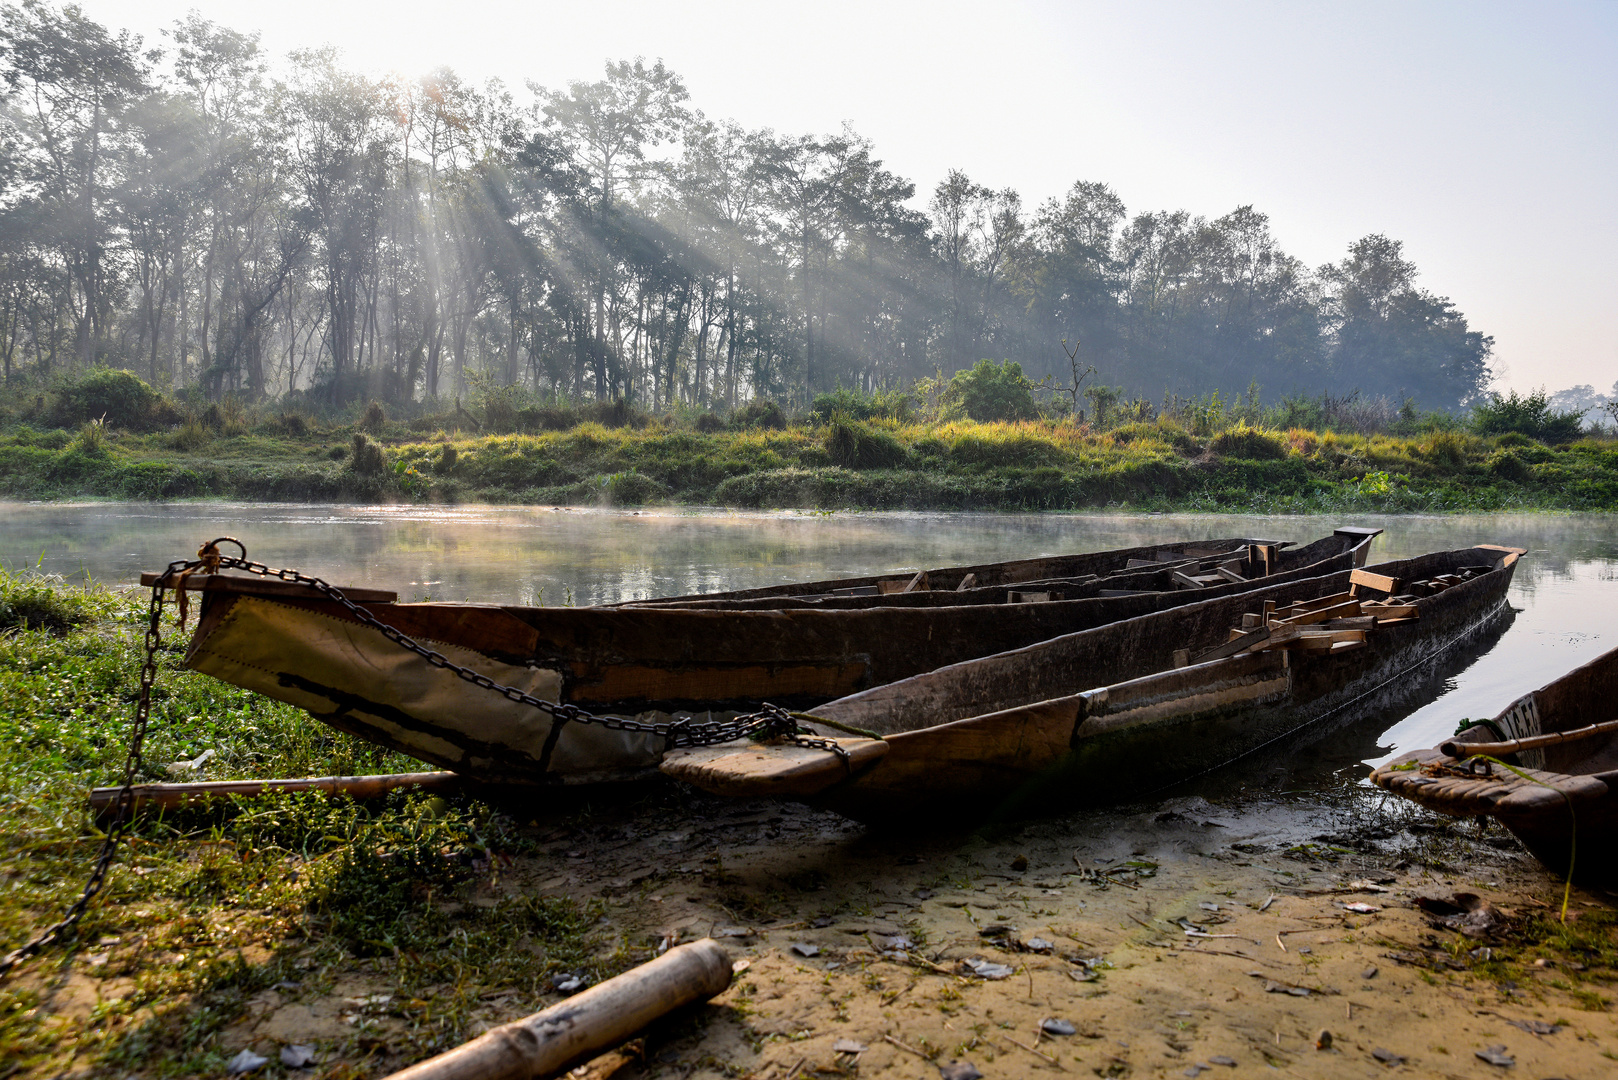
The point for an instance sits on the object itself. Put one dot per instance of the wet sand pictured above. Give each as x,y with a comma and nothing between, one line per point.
1174,939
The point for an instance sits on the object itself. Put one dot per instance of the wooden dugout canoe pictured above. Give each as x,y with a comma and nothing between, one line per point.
1104,714
1563,795
288,642
1166,567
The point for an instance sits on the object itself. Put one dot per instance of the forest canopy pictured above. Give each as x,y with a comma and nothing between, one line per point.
192,211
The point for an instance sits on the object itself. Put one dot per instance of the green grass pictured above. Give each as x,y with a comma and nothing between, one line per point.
841,463
208,907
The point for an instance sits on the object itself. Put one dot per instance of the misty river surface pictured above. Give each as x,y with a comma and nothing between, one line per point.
1565,594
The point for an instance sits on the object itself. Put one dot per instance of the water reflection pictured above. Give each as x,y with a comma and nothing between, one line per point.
1566,588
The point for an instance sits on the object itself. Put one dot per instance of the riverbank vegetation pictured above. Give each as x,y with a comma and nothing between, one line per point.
984,439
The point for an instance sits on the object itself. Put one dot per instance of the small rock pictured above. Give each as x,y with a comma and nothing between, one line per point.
1054,1026
1228,1062
822,922
987,969
1039,945
803,948
959,1070
1196,1068
1361,909
1205,906
1368,973
924,894
1388,1057
1535,1027
1483,954
848,1046
245,1062
1019,864
1273,987
567,983
297,1056
1496,1055
1323,1039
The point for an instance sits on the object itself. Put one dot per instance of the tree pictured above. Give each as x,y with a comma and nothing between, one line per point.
1387,333
76,82
990,391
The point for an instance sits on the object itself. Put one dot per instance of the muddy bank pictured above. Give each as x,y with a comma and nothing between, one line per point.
1171,939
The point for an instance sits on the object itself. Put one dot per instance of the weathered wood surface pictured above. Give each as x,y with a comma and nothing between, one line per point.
262,586
780,768
977,732
1457,749
587,1023
1501,792
104,800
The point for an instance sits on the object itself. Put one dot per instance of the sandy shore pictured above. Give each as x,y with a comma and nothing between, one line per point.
1171,940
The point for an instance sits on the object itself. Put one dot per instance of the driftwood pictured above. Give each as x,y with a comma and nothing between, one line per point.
1455,748
104,800
587,1023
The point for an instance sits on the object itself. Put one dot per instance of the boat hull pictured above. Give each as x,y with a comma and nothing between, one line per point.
645,663
1128,738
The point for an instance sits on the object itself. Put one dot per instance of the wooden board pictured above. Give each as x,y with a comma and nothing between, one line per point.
1380,582
780,769
262,586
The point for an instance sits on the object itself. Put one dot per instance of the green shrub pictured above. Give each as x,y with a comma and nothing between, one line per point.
293,424
993,392
91,439
1247,442
632,489
759,413
852,445
708,423
367,459
33,601
1512,440
1508,466
1445,448
884,405
1529,415
119,397
191,435
375,416
447,457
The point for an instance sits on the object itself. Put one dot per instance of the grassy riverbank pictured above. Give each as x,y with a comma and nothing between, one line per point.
380,934
835,464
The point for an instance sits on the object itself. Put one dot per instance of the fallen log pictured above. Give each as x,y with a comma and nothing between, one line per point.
587,1023
104,800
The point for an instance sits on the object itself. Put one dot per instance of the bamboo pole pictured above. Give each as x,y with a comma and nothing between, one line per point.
104,800
587,1023
1455,748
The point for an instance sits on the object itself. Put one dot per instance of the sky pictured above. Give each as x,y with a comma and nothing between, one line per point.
1483,135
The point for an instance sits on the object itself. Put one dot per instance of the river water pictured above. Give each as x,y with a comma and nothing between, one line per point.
1565,593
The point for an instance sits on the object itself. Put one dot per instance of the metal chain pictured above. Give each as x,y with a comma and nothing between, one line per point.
121,809
769,721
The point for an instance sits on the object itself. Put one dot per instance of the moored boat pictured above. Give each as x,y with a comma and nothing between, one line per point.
363,663
1121,710
1167,567
1546,767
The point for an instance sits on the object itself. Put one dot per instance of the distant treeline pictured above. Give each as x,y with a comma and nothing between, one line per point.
182,209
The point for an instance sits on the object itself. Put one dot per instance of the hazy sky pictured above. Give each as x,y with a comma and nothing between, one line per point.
1483,135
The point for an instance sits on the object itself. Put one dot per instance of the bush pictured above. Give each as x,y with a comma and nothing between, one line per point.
447,457
1508,466
852,445
191,435
375,416
632,489
993,392
34,601
367,459
708,423
293,424
91,439
1445,448
884,404
1246,442
616,413
759,413
119,397
1530,415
